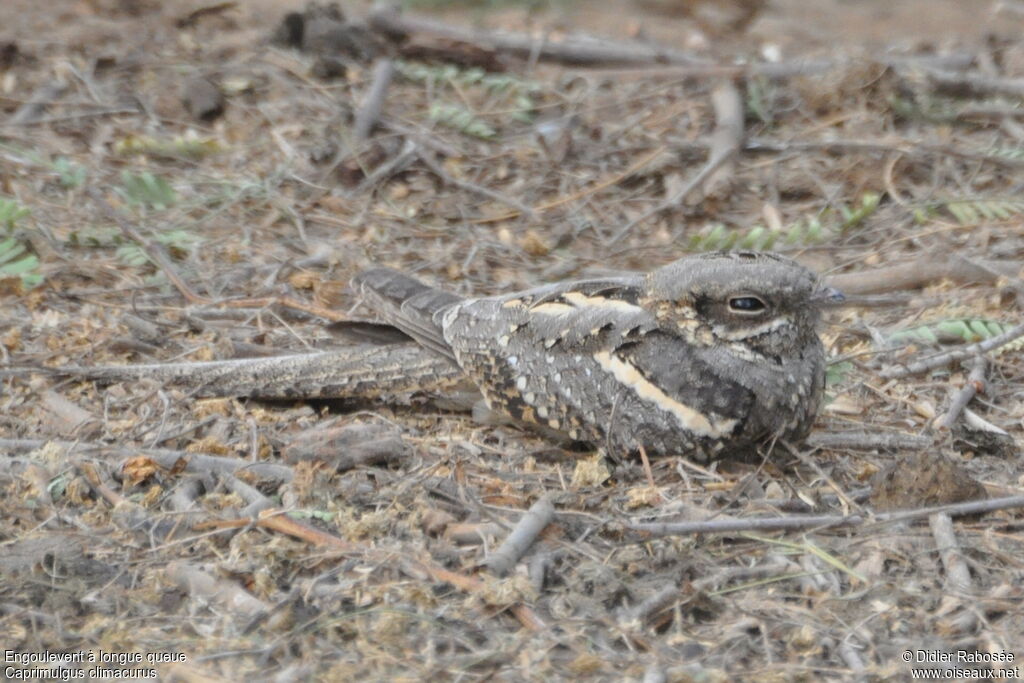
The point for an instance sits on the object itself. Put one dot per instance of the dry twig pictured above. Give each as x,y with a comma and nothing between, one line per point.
943,359
794,522
725,142
526,531
958,576
369,113
975,384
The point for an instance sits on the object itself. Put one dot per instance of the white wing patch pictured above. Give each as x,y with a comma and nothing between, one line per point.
553,308
575,301
690,419
580,300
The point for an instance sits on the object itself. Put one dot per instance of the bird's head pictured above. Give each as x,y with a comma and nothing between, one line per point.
768,303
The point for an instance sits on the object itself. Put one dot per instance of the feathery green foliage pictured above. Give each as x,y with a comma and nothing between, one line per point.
15,258
175,240
146,190
966,330
805,231
519,93
973,211
461,119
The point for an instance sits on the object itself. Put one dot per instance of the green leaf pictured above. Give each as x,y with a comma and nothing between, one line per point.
146,190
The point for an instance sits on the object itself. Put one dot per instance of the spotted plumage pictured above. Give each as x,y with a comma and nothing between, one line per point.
705,356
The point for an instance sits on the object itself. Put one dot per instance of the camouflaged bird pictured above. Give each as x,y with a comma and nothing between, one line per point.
709,355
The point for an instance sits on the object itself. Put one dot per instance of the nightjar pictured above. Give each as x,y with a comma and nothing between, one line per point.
710,355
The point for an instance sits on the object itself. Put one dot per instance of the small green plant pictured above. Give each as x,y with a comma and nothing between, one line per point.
519,94
11,212
146,190
462,120
1009,153
178,241
957,330
972,211
69,174
805,231
760,93
837,372
16,261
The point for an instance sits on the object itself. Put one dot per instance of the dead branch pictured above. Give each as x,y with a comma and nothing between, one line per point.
526,531
472,533
924,272
392,23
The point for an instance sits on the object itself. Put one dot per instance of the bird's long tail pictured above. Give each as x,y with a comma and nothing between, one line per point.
360,372
408,304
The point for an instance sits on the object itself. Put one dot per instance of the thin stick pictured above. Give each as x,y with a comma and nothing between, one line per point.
390,22
726,142
975,384
647,468
153,250
369,113
37,103
448,179
796,67
917,367
921,273
793,522
397,164
903,146
719,526
958,576
167,458
540,514
868,441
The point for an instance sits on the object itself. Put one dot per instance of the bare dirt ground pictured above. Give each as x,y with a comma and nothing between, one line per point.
188,182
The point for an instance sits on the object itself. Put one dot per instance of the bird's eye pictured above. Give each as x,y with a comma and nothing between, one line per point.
746,304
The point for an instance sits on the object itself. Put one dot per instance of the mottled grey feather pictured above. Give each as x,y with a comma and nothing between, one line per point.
408,304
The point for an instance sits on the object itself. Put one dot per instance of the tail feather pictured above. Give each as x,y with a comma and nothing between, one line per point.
408,304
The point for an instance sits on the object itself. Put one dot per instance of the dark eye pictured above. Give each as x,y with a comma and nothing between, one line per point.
746,304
